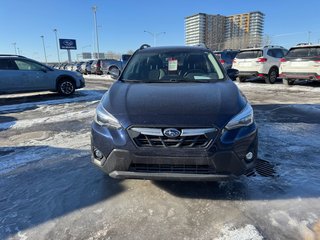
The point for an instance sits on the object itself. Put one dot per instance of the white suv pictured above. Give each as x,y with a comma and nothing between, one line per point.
301,62
260,63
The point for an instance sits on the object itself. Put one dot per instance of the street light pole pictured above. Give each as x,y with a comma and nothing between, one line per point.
94,9
309,36
15,47
154,35
44,49
55,32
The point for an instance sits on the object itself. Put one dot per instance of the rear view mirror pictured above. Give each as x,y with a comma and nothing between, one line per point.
232,73
114,73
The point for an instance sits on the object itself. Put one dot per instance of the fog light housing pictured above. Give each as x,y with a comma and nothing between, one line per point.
249,156
97,154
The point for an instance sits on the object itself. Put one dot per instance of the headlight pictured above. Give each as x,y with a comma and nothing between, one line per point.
243,119
103,118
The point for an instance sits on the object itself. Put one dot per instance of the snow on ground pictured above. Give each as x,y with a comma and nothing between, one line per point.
282,207
98,77
44,145
247,232
85,95
59,117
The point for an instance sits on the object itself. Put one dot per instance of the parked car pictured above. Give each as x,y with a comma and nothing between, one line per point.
108,65
174,114
226,57
69,67
77,66
21,74
262,63
62,66
96,67
83,68
87,67
301,62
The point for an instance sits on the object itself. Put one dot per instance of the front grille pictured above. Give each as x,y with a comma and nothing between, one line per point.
166,168
199,141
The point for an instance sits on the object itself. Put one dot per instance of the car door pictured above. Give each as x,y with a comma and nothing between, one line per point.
35,76
10,78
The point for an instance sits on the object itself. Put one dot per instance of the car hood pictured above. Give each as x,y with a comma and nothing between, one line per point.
174,104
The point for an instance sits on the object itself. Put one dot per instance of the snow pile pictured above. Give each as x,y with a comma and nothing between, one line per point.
248,232
88,95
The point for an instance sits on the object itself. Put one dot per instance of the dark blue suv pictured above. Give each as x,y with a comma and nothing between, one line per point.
226,57
174,114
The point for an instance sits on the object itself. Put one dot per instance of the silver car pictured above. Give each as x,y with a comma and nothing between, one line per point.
21,74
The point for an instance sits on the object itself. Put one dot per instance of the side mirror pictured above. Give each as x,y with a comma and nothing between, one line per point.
114,73
232,73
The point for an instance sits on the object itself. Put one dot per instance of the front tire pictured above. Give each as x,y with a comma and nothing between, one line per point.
66,87
272,76
287,82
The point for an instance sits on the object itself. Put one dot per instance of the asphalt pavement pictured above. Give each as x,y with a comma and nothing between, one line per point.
50,190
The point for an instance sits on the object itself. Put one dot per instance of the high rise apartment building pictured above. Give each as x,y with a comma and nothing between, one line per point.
219,32
244,30
195,29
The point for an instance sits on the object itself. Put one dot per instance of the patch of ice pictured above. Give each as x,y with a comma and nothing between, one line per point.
88,95
21,124
249,232
7,125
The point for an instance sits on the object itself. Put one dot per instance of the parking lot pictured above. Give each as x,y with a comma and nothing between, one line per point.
50,190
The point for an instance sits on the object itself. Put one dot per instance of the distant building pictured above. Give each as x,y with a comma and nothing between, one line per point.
214,34
219,32
244,30
195,29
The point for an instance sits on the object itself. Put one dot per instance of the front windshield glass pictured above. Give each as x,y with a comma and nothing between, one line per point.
173,66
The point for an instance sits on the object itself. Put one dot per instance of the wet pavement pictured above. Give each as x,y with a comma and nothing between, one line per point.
50,190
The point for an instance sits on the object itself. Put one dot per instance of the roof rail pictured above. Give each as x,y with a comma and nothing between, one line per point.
11,55
303,44
272,46
143,46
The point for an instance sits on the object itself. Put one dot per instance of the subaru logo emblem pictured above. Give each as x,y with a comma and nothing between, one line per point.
171,132
68,43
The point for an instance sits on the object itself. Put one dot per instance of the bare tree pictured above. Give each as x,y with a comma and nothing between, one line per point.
266,40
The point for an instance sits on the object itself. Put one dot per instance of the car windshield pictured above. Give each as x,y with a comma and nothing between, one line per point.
249,54
304,52
172,66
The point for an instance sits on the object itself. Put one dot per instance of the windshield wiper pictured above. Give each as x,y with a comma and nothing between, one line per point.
192,80
133,81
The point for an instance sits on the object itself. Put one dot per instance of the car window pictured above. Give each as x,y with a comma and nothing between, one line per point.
278,53
172,66
7,64
270,53
125,57
304,52
249,54
218,55
28,66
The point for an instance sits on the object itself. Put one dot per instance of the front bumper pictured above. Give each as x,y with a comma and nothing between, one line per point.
223,159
